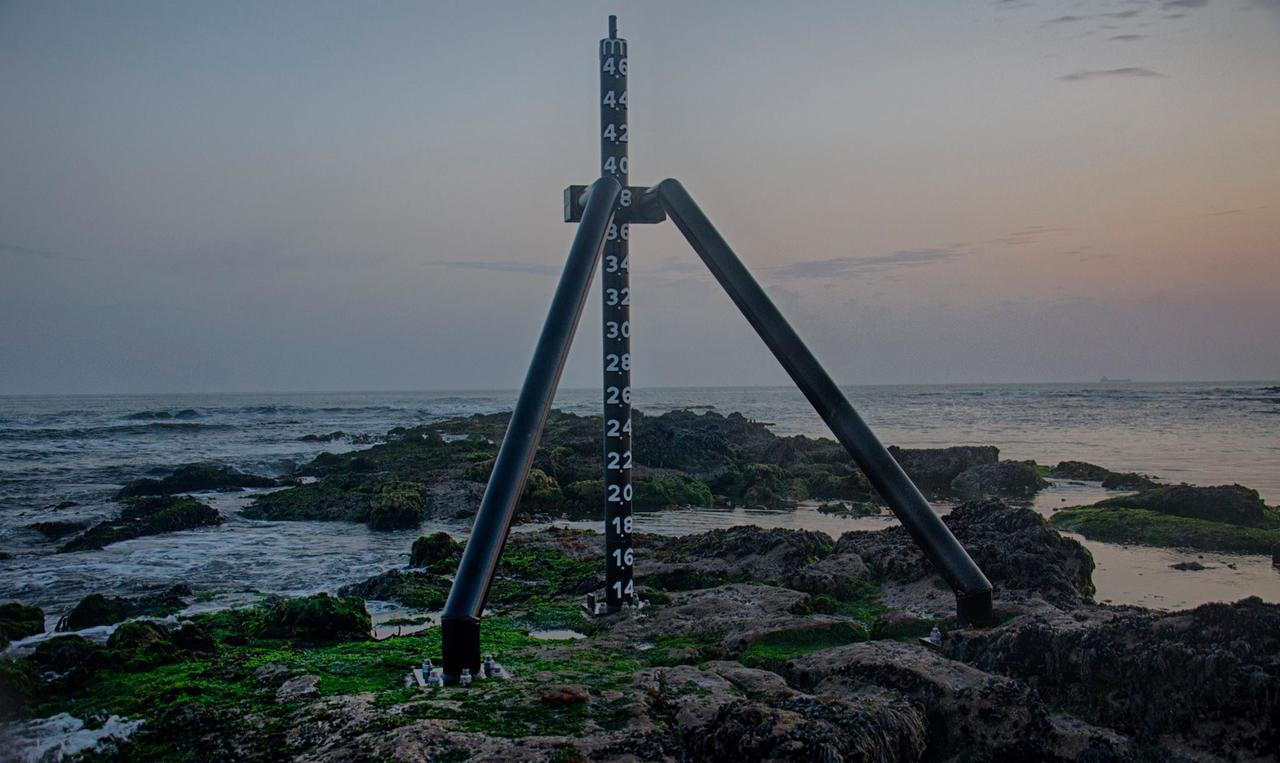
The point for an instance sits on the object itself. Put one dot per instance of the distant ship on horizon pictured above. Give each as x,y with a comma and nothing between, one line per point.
1105,380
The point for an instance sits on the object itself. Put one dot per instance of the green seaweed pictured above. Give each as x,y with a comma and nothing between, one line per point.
774,649
1150,528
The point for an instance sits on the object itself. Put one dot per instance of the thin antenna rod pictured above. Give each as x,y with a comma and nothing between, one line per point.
613,27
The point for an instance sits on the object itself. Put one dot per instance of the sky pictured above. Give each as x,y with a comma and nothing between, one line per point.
278,196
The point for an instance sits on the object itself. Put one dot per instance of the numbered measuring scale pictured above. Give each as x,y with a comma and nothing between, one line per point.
616,331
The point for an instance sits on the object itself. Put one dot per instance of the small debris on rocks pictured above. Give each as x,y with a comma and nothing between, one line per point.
564,694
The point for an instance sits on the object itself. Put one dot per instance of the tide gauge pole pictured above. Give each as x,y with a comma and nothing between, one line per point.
605,212
616,328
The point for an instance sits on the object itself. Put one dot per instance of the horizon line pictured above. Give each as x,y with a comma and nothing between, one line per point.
481,390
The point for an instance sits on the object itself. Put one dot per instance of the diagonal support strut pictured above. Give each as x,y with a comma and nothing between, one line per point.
972,589
460,622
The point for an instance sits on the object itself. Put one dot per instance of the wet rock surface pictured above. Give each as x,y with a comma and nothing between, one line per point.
934,469
147,515
195,478
1231,504
1020,554
683,459
1083,470
762,645
1229,518
97,609
1005,479
18,620
1119,667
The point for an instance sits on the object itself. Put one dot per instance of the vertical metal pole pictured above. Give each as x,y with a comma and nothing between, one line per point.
616,284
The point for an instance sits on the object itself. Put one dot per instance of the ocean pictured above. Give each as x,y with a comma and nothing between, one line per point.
82,448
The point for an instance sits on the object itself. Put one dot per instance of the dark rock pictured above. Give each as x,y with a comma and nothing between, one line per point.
1080,470
330,437
1188,566
852,509
841,576
1129,481
1232,504
19,621
1083,470
1120,667
420,590
147,515
65,654
934,469
96,609
141,644
1015,547
730,713
319,618
432,549
731,555
1004,479
727,619
56,665
397,506
65,505
194,478
683,459
53,530
968,714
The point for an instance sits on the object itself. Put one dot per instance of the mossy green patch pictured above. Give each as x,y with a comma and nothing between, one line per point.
773,650
1150,528
19,621
318,618
672,491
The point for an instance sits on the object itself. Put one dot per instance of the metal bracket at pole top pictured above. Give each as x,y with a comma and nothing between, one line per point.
644,207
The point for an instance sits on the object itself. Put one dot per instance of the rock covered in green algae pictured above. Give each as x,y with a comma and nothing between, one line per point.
147,515
1083,470
58,528
855,509
682,459
97,609
1151,528
1228,518
18,620
397,506
195,478
1231,504
317,619
419,589
141,644
433,549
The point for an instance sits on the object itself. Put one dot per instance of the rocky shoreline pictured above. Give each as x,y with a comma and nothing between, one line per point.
753,644
683,460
